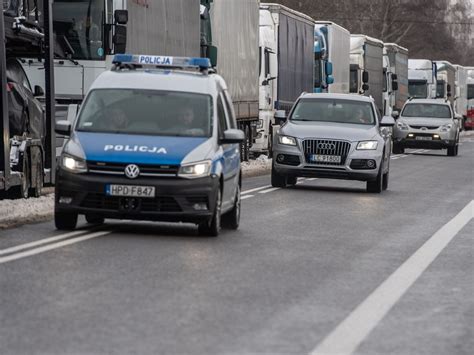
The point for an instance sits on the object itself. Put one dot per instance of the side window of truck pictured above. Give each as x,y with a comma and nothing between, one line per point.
221,115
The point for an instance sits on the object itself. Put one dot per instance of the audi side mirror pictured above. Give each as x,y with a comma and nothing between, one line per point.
387,121
63,128
280,117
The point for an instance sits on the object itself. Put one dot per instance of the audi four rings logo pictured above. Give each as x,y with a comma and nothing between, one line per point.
132,171
329,146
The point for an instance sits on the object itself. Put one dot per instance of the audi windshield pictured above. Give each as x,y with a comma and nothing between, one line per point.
334,110
147,112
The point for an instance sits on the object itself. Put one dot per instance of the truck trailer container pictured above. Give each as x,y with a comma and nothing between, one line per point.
460,99
469,123
445,81
366,68
286,68
422,78
331,55
235,34
396,73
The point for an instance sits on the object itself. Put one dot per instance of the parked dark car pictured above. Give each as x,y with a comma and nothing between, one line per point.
25,112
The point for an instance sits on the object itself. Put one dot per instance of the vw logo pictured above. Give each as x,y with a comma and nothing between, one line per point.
132,171
328,146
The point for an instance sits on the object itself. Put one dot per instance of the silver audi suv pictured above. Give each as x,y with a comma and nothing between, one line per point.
426,123
335,136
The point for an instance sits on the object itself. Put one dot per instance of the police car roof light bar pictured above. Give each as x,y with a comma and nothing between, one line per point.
155,61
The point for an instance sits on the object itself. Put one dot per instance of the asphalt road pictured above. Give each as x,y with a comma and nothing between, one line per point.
317,267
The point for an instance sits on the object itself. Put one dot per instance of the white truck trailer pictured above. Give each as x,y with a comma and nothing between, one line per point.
396,77
460,99
422,78
332,47
366,68
445,81
287,65
469,123
235,33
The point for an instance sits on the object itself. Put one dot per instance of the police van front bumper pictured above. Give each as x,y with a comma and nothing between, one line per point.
176,199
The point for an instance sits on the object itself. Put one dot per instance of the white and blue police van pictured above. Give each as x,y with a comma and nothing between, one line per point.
156,139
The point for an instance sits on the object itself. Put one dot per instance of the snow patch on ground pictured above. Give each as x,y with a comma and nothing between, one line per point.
260,166
18,212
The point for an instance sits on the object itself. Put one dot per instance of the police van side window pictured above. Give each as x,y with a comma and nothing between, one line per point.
222,116
230,110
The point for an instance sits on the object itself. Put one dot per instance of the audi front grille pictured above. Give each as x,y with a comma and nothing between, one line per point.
326,147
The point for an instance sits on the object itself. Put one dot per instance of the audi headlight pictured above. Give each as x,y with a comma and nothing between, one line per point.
286,140
367,145
403,126
73,164
195,170
446,127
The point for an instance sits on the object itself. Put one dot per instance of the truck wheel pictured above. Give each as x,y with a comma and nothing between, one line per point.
213,227
376,186
397,149
39,181
231,219
246,144
25,179
94,219
278,180
65,220
270,141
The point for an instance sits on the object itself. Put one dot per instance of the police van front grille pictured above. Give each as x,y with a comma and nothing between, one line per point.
119,169
113,203
326,147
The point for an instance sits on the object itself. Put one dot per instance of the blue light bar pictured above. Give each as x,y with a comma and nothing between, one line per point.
161,61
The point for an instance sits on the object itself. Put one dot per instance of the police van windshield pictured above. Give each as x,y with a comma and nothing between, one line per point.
147,112
427,110
334,110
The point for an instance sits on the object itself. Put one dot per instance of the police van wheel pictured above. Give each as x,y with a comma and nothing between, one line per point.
213,227
94,219
231,219
65,220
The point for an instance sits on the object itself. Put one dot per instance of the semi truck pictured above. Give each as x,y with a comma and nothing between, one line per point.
460,99
396,77
469,123
331,58
27,144
234,28
445,81
366,68
286,68
422,78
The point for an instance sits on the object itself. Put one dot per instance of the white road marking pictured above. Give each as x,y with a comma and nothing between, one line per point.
46,248
41,242
269,190
349,334
311,179
246,197
393,157
255,189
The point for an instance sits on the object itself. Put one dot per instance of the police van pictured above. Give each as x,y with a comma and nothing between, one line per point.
155,139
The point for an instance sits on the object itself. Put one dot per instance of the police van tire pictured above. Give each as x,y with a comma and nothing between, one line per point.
65,220
231,219
94,219
212,228
277,179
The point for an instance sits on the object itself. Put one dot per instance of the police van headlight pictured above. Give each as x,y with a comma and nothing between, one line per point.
367,145
195,170
73,164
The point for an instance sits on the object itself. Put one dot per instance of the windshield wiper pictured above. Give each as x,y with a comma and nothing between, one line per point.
303,119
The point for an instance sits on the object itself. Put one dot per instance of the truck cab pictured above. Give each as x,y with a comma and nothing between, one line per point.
155,140
422,78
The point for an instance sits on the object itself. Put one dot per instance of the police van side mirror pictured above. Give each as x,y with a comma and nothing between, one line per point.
232,136
63,128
